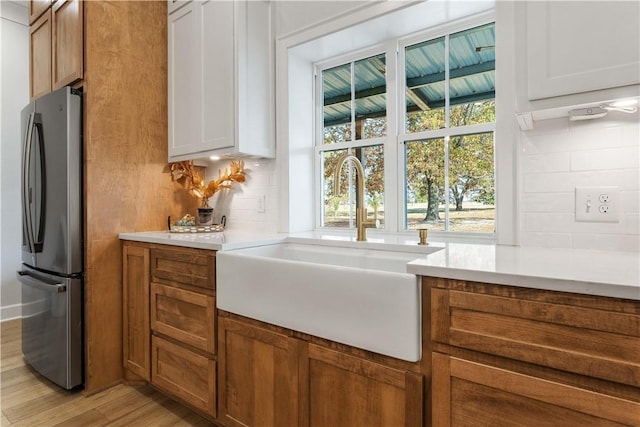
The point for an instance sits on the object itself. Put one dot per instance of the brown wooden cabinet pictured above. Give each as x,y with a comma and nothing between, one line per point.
67,42
337,389
258,375
272,376
56,46
37,8
136,333
40,56
509,354
170,321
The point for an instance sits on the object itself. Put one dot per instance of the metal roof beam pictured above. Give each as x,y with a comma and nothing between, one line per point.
456,73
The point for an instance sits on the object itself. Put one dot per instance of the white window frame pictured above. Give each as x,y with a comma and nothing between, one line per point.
394,142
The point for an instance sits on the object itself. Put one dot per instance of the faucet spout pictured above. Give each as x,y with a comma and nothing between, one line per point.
361,210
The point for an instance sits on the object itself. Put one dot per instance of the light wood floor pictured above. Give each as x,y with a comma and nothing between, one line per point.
28,399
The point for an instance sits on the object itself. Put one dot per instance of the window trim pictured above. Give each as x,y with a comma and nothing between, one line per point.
394,158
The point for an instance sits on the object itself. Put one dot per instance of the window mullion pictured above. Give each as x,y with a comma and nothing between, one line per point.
447,125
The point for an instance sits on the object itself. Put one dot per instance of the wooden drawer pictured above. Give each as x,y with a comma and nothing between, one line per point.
191,267
467,393
184,315
593,336
184,374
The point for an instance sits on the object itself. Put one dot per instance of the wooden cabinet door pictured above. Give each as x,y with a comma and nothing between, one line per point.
67,42
466,393
257,377
136,332
184,315
184,374
342,390
36,8
40,56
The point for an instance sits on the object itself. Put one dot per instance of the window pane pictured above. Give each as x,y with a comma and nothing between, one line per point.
472,183
339,208
472,76
371,97
425,183
424,98
336,91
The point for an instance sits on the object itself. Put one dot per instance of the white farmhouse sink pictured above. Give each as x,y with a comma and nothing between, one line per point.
359,297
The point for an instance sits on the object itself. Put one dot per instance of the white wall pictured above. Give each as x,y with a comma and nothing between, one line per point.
14,95
558,155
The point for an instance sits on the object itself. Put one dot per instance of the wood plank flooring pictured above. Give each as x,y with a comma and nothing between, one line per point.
28,399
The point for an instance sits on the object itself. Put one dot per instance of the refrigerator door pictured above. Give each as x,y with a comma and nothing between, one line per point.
51,183
52,326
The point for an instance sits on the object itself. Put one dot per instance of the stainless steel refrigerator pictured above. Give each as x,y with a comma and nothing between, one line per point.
52,237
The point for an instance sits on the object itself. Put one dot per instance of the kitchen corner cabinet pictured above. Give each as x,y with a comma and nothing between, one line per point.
271,376
220,88
567,52
56,47
504,354
169,321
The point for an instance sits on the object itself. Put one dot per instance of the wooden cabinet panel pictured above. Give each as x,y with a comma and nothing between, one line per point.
184,374
599,339
191,267
37,8
40,56
67,45
472,394
184,315
258,376
135,281
342,390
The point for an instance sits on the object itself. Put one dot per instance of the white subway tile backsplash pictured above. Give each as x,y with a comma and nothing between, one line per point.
607,242
546,240
548,162
548,202
606,159
555,159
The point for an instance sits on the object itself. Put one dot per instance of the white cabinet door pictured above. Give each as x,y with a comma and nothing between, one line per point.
184,80
218,100
581,46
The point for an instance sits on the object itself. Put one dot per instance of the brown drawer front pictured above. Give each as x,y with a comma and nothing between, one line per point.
184,374
184,315
188,267
588,341
468,393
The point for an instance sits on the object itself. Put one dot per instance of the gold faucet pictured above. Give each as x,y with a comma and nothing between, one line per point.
361,210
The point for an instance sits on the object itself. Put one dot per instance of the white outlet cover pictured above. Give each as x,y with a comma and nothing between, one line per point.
589,208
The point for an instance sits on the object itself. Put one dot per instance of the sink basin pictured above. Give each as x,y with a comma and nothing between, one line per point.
359,297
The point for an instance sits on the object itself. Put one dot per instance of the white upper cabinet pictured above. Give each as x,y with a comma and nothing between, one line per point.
585,48
220,80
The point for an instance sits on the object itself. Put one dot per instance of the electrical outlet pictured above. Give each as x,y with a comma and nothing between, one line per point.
598,204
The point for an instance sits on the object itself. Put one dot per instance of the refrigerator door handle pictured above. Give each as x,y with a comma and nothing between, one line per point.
27,280
27,222
39,241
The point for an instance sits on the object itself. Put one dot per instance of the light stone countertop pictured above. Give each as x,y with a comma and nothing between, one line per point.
602,273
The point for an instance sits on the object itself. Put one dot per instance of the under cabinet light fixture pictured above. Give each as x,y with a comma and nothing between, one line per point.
587,113
624,106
